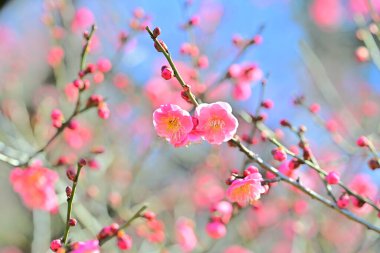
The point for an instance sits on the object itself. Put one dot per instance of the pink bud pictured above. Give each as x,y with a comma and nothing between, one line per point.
156,32
103,110
166,72
332,178
202,62
95,100
149,215
73,124
362,141
314,108
250,170
86,84
56,118
234,71
73,222
343,201
216,229
124,241
78,83
55,245
163,45
138,12
195,20
90,68
70,173
224,210
258,39
279,154
82,162
69,191
104,65
237,40
362,54
268,104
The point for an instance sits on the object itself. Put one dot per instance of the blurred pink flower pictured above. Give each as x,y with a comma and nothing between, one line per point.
364,186
79,137
153,231
223,210
247,190
91,246
217,124
363,7
216,229
83,19
241,91
173,123
326,13
236,249
207,190
55,56
71,92
35,184
185,235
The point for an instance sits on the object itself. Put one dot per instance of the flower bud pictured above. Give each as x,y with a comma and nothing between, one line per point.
156,32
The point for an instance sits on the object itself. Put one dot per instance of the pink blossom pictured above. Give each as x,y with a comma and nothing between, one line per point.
35,184
362,54
279,154
236,249
362,141
91,246
241,91
173,123
79,137
55,244
207,190
362,6
343,201
153,231
103,110
326,13
55,56
364,186
83,18
223,210
120,81
71,92
314,108
56,118
104,65
247,190
332,178
216,229
217,124
202,62
166,72
124,241
185,235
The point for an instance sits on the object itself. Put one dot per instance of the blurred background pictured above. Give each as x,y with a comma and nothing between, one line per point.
324,50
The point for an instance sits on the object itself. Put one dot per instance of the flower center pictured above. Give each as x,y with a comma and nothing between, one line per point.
173,124
216,124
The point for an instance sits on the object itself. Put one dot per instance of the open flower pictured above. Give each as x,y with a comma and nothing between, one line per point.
216,122
35,185
173,123
185,236
246,190
91,246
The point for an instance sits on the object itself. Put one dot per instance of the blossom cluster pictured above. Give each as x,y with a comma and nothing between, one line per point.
213,122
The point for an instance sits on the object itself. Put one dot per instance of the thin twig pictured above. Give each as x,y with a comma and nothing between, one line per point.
259,161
